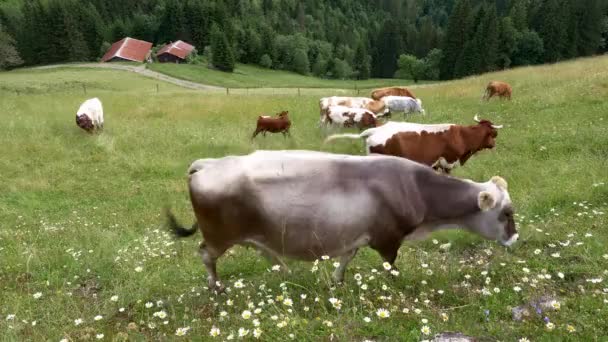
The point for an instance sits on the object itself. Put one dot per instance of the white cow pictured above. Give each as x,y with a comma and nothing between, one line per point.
402,104
90,115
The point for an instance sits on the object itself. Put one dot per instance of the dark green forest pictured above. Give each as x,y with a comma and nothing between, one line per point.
419,39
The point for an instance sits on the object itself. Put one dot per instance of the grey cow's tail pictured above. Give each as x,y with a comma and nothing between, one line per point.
177,229
363,134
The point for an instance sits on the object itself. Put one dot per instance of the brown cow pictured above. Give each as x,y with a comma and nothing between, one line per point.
280,124
442,150
378,94
502,89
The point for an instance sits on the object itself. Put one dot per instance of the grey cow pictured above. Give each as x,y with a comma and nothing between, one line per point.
305,204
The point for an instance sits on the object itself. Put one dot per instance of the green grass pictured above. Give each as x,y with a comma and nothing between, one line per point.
79,214
248,76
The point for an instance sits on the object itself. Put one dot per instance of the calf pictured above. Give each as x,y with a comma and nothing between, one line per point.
441,150
280,124
349,117
378,94
90,115
502,89
305,204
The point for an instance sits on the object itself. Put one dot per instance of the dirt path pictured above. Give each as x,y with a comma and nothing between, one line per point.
140,69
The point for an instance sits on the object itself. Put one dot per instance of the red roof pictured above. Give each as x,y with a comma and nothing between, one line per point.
179,48
129,49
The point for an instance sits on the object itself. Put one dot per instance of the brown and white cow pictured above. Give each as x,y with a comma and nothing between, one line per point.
441,146
377,107
351,117
502,89
280,124
441,150
305,204
378,94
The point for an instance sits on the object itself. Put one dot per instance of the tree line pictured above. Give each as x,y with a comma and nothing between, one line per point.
358,39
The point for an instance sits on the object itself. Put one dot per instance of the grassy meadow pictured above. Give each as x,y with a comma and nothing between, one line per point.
250,76
84,254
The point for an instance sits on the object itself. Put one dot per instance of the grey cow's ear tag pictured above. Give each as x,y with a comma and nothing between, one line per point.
486,201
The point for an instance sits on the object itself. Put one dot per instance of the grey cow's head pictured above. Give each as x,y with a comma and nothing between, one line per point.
495,221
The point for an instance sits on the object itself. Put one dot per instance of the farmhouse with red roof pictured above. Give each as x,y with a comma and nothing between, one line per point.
128,49
175,52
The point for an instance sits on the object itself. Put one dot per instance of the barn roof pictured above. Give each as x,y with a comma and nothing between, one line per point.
129,49
179,49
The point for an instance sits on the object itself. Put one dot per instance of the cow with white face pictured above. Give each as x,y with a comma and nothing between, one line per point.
305,204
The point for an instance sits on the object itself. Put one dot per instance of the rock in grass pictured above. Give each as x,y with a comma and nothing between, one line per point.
453,337
536,306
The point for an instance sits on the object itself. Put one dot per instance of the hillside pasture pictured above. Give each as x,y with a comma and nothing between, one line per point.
84,253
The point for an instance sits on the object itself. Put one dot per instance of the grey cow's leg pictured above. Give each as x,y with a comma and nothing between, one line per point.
210,256
338,274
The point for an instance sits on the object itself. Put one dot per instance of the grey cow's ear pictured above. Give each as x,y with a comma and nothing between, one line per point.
485,201
500,182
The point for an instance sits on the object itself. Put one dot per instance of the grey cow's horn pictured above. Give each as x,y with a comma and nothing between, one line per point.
476,118
496,126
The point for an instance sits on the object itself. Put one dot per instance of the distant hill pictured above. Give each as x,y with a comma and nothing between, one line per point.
330,38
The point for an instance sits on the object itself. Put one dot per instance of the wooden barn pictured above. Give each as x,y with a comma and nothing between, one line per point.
128,49
175,52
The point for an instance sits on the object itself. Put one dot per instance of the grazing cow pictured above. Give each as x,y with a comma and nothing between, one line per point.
280,124
352,102
305,204
90,115
379,135
441,150
501,89
378,94
349,117
402,104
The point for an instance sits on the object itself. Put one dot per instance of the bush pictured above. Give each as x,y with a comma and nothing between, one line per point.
266,61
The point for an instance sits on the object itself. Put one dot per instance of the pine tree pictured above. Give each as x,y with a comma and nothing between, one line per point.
489,40
456,37
221,51
591,26
552,29
470,59
388,47
519,14
9,57
506,43
362,62
172,25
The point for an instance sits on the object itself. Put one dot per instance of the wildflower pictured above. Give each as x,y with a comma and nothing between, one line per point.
329,324
230,337
497,290
239,284
78,321
214,332
358,277
160,314
182,331
274,317
243,332
149,305
276,268
99,336
424,321
257,332
570,328
229,302
121,310
223,314
560,275
336,303
287,302
516,288
555,255
383,313
37,295
314,269
256,322
10,317
303,296
336,264
537,251
246,314
417,311
386,266
367,319
363,287
526,270
325,257
114,298
550,326
523,339
395,272
425,330
139,269
444,317
435,241
556,305
281,324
